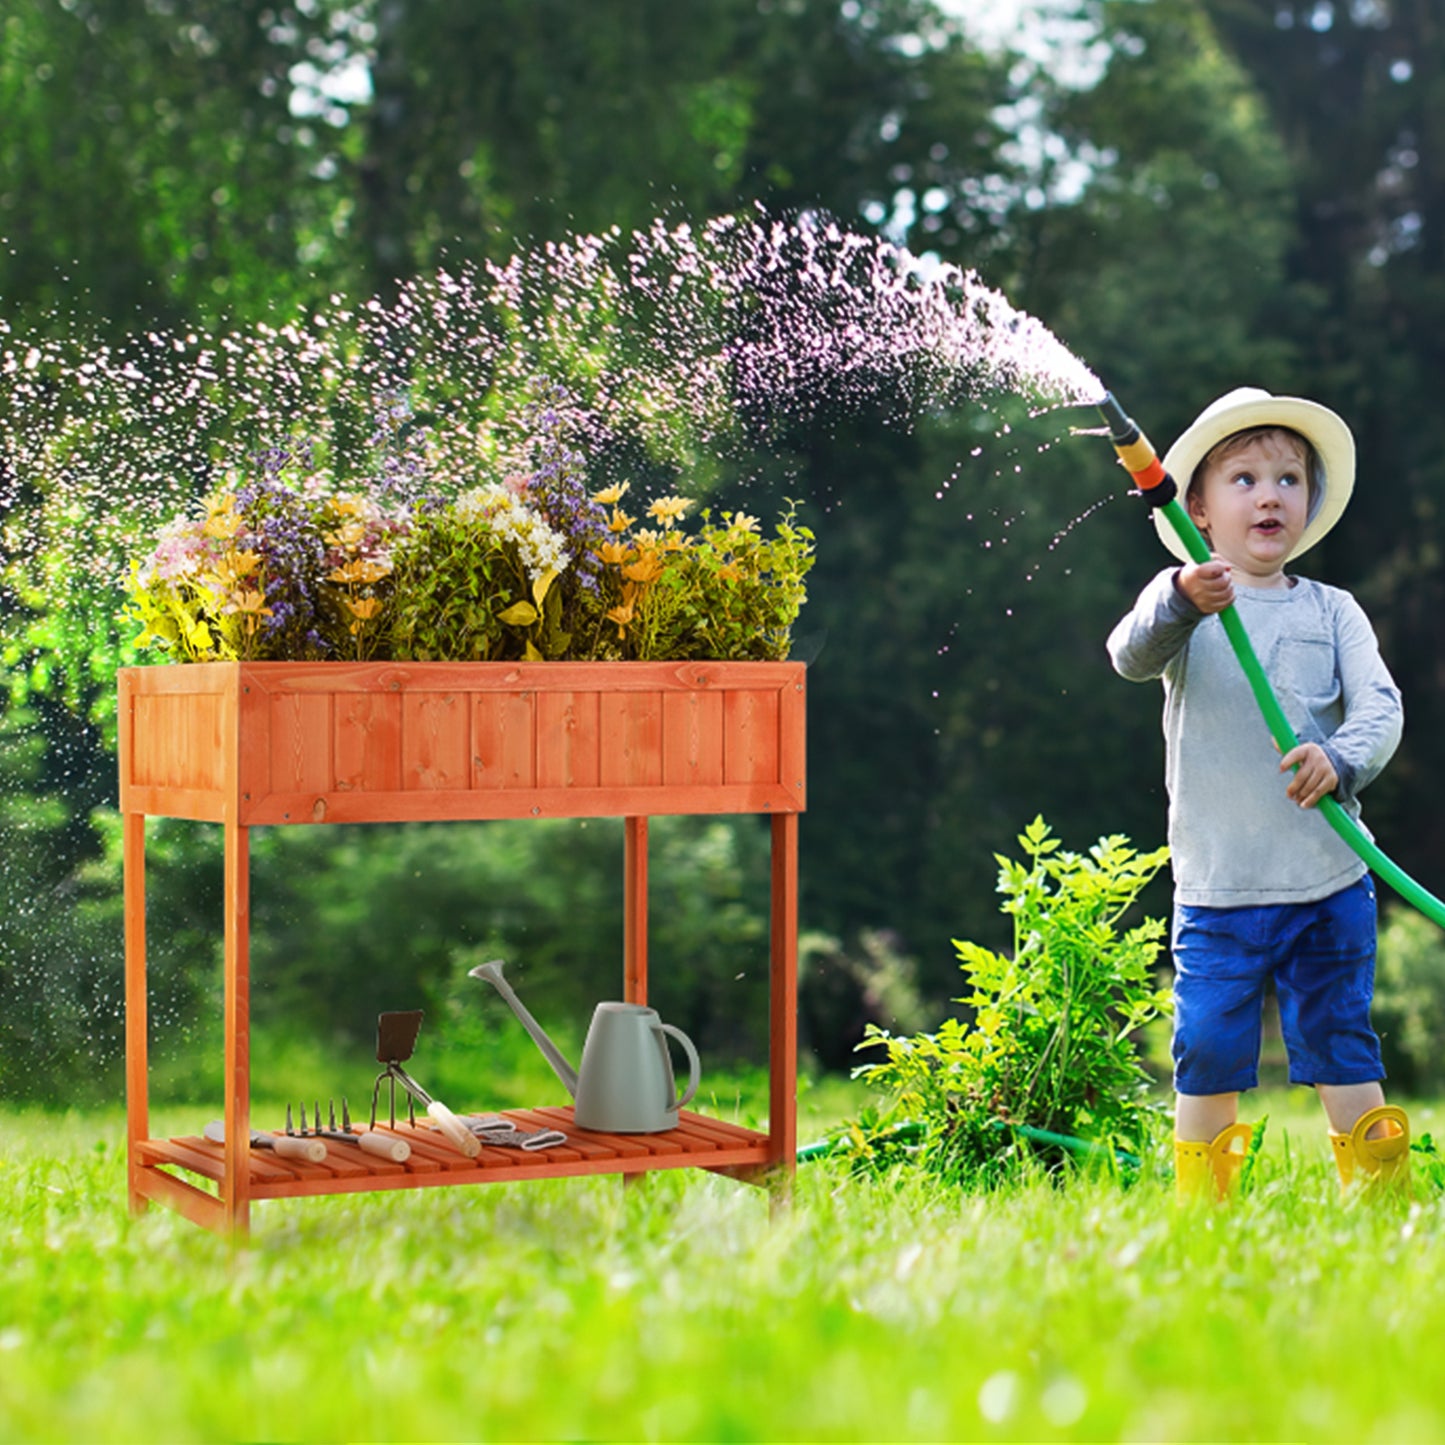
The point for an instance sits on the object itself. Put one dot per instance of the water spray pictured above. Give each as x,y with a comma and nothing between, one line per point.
1158,488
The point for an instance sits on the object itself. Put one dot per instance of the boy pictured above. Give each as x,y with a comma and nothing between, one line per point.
1264,890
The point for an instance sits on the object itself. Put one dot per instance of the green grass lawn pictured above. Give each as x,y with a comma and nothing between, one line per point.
678,1309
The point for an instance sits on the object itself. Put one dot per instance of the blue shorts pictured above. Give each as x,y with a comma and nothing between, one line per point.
1321,959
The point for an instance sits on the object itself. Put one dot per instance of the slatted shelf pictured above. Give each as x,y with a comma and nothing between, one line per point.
697,1142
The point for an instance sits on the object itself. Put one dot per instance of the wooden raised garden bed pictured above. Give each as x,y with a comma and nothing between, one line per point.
248,744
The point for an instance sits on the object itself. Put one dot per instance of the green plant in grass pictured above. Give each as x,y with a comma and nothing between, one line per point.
1050,1041
1409,1010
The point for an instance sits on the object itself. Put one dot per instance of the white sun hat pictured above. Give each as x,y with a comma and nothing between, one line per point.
1249,406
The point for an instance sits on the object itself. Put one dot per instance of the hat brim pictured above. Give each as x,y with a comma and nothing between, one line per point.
1327,433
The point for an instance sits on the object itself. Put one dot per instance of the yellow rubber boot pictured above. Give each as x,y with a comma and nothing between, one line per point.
1210,1171
1375,1166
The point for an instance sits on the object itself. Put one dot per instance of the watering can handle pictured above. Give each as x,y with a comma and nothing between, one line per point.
694,1067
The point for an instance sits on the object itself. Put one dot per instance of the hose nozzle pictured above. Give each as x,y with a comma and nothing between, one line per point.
1140,459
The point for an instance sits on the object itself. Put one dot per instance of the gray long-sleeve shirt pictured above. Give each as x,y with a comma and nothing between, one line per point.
1235,837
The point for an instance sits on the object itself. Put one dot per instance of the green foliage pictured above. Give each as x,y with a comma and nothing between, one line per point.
459,588
1049,1042
275,574
728,593
153,171
1409,1007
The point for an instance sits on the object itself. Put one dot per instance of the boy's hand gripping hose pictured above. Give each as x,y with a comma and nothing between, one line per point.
1157,488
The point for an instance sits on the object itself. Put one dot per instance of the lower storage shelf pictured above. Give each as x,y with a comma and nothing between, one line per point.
697,1142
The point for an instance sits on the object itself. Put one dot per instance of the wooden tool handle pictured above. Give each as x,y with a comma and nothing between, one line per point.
385,1146
313,1151
454,1129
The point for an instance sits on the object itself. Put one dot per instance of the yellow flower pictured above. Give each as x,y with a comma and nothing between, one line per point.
619,521
647,537
251,605
363,609
668,509
621,616
222,520
612,554
610,496
741,522
231,567
350,534
647,568
362,569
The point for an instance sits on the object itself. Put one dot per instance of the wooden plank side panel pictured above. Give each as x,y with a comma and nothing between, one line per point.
302,738
504,740
631,739
569,731
200,757
750,736
436,740
368,742
177,742
692,738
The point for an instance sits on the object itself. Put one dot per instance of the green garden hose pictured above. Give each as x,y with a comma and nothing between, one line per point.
1159,490
911,1131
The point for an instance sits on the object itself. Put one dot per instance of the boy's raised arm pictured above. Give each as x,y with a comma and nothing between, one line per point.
1153,631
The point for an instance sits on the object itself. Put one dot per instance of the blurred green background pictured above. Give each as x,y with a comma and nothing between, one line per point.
1194,194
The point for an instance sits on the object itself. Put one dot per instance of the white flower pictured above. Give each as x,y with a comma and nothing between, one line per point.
541,548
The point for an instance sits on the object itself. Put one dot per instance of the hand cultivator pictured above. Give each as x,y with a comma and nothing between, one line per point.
383,1146
395,1039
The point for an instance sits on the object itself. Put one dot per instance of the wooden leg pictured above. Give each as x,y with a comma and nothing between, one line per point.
783,1001
137,1087
634,911
236,1185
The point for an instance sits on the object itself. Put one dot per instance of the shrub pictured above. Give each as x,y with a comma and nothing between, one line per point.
1409,1012
1050,1045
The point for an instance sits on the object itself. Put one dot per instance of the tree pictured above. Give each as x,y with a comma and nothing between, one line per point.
152,171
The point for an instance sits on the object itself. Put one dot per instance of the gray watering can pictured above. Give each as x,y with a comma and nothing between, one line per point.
625,1084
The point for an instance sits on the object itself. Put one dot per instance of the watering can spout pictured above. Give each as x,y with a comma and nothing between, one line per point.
492,974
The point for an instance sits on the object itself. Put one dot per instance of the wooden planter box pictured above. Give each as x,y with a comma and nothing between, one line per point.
248,744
